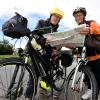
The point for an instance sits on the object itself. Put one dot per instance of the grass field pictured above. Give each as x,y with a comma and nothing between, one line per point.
6,56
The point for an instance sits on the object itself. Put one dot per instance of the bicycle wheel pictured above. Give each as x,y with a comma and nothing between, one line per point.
59,77
76,93
10,75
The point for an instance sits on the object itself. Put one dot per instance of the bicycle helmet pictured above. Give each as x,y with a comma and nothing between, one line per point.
58,12
80,9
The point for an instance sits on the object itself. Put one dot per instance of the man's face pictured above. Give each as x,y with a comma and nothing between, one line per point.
79,17
54,19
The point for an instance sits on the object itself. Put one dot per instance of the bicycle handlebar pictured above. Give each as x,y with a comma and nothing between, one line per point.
42,29
39,31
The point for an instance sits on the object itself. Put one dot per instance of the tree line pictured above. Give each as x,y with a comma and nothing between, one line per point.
5,47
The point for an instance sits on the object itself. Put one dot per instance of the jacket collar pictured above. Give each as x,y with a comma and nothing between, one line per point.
54,27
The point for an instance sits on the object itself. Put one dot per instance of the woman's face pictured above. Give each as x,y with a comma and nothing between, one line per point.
54,19
79,17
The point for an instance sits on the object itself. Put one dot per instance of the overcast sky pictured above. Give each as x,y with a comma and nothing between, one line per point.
40,9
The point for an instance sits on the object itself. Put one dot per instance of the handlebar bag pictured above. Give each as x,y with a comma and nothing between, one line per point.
15,27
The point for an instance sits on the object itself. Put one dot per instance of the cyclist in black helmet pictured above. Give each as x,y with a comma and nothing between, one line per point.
92,53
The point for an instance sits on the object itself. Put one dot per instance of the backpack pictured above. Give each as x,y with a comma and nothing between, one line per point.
92,41
15,27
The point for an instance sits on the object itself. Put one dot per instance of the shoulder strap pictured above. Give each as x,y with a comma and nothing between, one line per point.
88,22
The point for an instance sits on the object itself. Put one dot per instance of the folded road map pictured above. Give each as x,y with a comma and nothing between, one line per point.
65,37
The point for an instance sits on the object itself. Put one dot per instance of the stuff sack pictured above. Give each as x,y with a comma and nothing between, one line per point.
15,27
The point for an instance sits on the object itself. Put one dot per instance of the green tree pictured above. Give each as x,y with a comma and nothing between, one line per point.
6,47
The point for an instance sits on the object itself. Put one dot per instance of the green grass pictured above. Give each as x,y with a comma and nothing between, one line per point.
6,56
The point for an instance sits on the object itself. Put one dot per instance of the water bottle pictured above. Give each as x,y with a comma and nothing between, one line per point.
37,46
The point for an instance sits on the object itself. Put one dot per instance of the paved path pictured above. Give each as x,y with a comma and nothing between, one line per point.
61,94
39,95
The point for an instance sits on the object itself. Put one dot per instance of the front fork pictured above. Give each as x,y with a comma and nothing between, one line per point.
73,86
19,88
20,82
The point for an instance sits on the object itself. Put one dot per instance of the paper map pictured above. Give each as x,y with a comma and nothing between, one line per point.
65,37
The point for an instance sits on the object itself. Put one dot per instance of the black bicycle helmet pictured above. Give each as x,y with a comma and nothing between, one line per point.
80,9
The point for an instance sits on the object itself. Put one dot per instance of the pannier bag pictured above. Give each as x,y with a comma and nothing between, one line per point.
15,27
66,58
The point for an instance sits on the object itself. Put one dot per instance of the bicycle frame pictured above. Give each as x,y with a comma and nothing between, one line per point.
81,62
37,61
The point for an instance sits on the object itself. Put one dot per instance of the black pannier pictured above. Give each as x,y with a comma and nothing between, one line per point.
15,27
65,57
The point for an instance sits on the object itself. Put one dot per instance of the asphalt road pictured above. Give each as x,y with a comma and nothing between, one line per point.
61,95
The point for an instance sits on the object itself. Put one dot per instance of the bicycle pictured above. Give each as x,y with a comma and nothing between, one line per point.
80,79
22,71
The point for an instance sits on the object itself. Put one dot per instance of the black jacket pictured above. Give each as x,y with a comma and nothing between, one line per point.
39,34
41,39
46,23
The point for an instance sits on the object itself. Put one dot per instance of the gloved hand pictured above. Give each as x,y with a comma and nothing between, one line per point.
41,40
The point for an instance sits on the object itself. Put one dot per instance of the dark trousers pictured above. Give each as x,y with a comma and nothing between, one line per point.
95,68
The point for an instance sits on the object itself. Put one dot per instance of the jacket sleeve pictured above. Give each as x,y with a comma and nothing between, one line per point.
38,35
94,28
39,24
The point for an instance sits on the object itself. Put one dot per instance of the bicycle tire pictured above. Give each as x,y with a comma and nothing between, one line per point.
90,75
10,62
